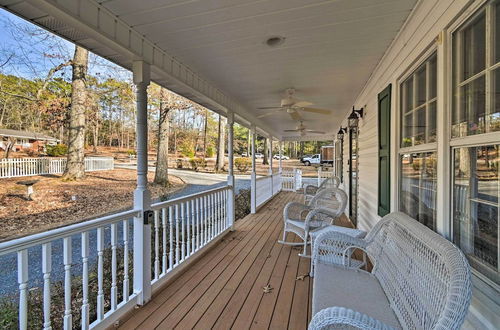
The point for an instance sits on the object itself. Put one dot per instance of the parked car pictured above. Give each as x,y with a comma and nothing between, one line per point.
283,157
259,155
244,154
314,159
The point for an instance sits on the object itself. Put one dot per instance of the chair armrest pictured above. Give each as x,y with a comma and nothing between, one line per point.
295,211
330,247
343,317
310,190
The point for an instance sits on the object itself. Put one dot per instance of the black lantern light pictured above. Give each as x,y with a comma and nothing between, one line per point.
340,134
354,117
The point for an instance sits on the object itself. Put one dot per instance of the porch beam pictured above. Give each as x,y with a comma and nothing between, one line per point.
230,174
142,196
253,176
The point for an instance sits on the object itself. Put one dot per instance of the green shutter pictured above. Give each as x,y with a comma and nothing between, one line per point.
384,151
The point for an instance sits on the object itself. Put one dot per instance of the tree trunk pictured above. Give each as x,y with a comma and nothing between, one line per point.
161,173
219,163
205,134
75,166
265,159
11,141
249,143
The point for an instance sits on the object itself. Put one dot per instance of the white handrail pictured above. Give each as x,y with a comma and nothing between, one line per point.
51,235
159,205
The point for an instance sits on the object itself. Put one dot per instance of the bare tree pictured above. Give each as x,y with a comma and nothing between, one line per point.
219,163
265,159
75,166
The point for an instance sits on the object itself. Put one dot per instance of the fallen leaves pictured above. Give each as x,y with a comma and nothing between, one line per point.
301,277
268,288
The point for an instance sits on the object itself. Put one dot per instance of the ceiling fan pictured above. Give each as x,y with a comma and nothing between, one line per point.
292,106
303,130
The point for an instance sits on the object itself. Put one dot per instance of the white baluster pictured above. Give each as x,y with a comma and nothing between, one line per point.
22,280
157,245
193,226
212,216
189,211
183,229
204,220
164,243
67,260
100,273
171,236
198,213
114,243
177,251
46,270
85,280
126,280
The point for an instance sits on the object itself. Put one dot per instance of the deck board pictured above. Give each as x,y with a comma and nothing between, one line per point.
224,288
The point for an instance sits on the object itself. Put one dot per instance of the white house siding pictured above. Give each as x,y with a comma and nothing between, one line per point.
420,32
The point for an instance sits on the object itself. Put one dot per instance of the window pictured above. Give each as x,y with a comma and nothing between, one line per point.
475,154
418,187
476,74
418,105
417,168
475,206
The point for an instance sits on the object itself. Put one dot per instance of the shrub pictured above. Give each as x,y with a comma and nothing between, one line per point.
210,152
57,150
131,152
243,164
197,163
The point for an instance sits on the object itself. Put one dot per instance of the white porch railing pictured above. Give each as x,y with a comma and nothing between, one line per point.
267,187
185,225
102,273
291,179
322,175
18,167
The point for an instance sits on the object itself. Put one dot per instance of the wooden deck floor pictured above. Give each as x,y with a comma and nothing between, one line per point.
224,289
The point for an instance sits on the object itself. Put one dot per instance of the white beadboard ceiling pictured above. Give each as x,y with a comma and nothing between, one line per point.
330,50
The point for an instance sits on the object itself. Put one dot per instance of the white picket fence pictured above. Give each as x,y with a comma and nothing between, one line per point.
180,228
18,167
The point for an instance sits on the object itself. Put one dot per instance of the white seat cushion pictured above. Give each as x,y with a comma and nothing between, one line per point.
357,290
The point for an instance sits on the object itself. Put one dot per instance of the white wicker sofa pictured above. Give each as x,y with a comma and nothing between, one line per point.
419,279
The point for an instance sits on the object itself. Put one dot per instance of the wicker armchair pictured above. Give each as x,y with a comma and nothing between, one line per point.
311,190
419,279
300,219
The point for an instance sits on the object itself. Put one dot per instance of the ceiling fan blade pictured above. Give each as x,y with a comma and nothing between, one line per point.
267,108
269,113
295,115
292,130
313,131
316,110
302,104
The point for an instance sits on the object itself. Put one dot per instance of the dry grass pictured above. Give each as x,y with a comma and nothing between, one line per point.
57,203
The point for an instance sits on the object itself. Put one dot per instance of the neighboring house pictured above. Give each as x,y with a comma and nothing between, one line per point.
24,140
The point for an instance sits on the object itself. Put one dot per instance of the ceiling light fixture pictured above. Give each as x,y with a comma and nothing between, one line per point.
275,41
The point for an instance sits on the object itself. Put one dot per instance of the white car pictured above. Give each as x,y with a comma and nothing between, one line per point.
259,155
314,159
283,157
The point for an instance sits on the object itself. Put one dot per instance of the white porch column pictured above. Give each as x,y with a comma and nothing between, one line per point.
253,177
230,173
270,155
280,146
142,196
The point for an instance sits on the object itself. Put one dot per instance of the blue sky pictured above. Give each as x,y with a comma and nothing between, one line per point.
34,51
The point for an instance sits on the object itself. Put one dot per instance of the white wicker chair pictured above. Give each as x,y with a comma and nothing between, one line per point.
311,190
300,219
419,280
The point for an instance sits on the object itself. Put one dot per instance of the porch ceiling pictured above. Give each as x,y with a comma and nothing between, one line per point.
330,50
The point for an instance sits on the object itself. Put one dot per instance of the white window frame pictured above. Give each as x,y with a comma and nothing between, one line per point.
487,286
424,57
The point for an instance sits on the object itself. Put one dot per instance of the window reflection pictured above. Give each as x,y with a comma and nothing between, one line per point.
418,187
475,213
